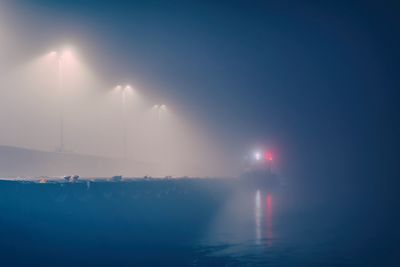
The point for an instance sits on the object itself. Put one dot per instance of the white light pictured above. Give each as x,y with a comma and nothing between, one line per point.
118,88
128,90
66,53
63,54
257,156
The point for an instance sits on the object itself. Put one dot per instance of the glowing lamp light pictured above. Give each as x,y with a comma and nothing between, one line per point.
63,55
268,156
257,156
67,52
160,107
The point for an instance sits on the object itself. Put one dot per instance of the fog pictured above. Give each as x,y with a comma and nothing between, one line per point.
42,85
200,88
234,77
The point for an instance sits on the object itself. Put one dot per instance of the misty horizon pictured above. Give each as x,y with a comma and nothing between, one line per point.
199,133
93,114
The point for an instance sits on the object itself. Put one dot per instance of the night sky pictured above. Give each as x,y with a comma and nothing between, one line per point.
315,80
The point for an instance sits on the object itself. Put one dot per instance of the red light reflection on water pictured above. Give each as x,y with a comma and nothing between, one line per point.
268,219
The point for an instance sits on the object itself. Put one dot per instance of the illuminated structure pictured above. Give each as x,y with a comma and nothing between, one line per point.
259,170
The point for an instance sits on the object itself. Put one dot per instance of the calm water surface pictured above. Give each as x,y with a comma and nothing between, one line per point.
192,223
287,228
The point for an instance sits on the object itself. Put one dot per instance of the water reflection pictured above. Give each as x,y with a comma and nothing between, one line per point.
245,224
268,219
259,216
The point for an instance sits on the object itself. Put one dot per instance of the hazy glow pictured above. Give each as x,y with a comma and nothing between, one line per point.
268,156
160,141
67,54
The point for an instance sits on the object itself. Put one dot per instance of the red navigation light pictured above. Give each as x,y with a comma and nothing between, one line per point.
268,156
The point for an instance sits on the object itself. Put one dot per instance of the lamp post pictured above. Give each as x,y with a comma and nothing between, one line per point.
60,56
60,90
124,91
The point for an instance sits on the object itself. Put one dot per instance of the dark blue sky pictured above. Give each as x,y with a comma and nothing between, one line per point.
316,79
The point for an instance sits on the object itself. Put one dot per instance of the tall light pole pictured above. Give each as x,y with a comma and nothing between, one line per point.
60,91
60,86
124,90
159,142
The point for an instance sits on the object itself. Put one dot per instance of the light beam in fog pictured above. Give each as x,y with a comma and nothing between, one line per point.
62,57
124,91
61,102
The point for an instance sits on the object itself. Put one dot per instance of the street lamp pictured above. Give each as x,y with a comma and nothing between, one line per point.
159,109
60,57
124,90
